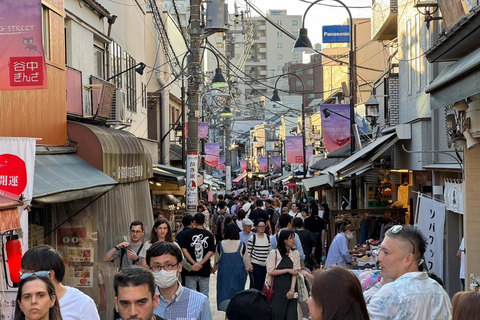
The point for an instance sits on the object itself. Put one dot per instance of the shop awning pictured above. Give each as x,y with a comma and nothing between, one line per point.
167,176
65,177
458,81
332,158
272,176
318,181
240,177
443,167
281,178
172,170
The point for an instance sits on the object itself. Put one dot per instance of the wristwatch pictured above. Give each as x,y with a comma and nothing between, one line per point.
116,248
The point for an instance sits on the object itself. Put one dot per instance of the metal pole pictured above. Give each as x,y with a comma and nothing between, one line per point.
192,105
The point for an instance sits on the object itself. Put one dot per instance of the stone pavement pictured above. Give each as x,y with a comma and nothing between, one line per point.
217,315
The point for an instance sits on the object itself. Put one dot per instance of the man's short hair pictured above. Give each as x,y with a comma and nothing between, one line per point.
284,220
409,234
136,223
269,201
187,220
222,205
297,223
259,203
245,198
160,248
199,218
134,276
44,258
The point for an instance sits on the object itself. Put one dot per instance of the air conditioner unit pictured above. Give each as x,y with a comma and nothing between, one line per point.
118,113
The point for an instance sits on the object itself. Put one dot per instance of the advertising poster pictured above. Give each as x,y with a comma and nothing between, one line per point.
294,149
221,163
212,152
79,270
335,128
203,130
277,162
243,165
192,188
263,164
22,61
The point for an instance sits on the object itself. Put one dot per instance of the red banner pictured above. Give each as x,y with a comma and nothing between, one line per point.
294,149
22,61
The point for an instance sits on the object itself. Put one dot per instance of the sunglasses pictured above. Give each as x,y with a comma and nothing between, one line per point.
396,229
24,276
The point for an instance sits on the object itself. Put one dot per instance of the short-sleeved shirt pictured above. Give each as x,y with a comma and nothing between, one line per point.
126,261
315,224
76,305
258,214
198,242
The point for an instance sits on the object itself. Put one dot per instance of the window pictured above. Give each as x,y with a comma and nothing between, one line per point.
310,71
219,45
298,72
149,7
279,45
130,83
279,22
279,56
295,56
279,33
311,95
309,83
298,83
116,57
294,22
98,61
295,33
46,32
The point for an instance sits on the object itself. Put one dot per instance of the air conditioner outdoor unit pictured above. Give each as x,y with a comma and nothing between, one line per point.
118,113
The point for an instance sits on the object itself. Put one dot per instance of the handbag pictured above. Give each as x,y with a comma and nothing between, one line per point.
268,288
302,288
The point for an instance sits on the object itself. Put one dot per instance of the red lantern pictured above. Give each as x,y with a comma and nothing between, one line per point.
14,257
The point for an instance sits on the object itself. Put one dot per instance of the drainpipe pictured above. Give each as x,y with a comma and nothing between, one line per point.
111,21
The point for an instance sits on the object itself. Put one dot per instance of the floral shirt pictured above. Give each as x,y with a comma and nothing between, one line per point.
413,296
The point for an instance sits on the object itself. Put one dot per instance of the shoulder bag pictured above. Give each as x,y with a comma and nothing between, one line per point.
268,288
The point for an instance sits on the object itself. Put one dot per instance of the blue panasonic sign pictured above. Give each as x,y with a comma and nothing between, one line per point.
336,34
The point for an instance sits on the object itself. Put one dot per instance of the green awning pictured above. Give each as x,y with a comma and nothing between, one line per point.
65,177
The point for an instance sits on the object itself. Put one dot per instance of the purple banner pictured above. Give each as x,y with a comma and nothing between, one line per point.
309,153
335,129
243,165
263,162
221,163
203,130
277,162
22,61
212,151
294,149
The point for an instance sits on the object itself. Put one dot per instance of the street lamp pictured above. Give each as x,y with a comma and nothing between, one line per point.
303,43
276,98
139,67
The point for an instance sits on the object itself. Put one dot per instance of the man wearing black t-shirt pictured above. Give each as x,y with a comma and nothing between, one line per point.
259,213
198,246
318,227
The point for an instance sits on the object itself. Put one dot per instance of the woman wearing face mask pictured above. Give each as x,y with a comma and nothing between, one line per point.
164,259
338,254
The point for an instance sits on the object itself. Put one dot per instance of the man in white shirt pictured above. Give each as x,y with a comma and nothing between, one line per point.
74,304
294,212
411,294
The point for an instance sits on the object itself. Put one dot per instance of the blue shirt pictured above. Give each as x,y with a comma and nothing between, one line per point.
298,244
338,254
244,237
186,304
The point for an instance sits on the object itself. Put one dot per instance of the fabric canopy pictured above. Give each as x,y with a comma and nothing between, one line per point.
240,177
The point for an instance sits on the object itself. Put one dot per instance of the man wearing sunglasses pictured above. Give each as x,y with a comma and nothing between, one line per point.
176,302
411,294
74,304
128,251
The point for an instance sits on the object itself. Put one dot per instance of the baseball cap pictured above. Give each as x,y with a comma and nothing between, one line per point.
247,222
248,305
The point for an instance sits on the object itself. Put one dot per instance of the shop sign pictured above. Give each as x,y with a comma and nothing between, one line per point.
192,187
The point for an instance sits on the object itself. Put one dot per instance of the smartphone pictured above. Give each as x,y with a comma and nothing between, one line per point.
295,295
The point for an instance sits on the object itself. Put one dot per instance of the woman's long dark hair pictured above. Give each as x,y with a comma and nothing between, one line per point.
344,298
53,313
154,236
284,235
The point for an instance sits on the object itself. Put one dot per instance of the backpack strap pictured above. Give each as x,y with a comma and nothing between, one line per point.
253,242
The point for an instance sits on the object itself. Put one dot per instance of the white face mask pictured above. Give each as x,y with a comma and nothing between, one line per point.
350,236
165,279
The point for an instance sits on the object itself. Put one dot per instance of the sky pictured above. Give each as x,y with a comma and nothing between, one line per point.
317,16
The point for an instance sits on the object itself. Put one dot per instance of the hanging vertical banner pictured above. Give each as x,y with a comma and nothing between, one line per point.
263,162
309,154
335,129
22,61
453,195
277,162
221,163
203,130
431,221
243,165
212,151
191,193
294,149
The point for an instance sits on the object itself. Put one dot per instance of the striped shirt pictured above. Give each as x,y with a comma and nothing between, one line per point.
259,252
186,304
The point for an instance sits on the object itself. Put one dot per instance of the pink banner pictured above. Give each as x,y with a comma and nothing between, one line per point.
263,162
243,165
335,129
294,149
203,130
277,162
212,151
221,163
22,61
309,153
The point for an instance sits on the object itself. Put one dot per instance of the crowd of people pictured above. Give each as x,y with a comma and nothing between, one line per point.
256,238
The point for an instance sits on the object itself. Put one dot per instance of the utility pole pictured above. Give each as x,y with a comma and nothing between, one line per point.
192,107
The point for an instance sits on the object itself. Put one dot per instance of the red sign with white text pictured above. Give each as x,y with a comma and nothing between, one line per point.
26,71
13,174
